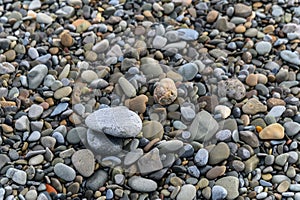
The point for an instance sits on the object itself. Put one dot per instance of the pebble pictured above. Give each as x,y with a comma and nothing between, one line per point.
36,75
263,47
127,87
97,180
35,111
138,103
116,121
291,128
232,88
187,192
290,57
242,10
150,162
219,153
101,46
254,106
64,172
83,161
218,192
203,127
272,132
141,184
43,18
165,91
18,176
188,71
201,157
231,185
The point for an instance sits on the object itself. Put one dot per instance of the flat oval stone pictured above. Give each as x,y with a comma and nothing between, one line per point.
64,172
141,184
116,121
272,132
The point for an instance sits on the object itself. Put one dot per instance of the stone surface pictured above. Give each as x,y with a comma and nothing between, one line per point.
187,192
231,184
141,184
64,172
116,121
272,132
83,161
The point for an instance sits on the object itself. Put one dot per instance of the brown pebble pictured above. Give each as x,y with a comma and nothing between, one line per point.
212,16
240,29
6,128
269,29
53,50
215,172
10,55
275,102
66,39
137,104
251,80
7,103
151,144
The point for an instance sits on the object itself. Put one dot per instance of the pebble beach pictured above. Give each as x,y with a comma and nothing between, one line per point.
149,100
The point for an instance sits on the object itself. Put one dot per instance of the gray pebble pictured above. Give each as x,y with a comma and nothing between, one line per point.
64,172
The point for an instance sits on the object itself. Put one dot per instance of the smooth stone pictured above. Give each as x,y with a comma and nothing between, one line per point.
188,34
242,10
263,48
223,110
36,160
3,160
83,161
34,136
73,134
215,172
218,192
223,135
283,186
43,18
100,143
219,153
101,46
36,75
150,162
18,176
251,164
97,180
187,113
127,87
187,192
170,146
62,92
64,172
31,195
276,111
272,132
231,185
22,124
35,111
141,184
280,178
291,128
201,157
89,76
133,156
281,159
254,106
116,121
60,108
249,138
203,127
188,71
159,42
291,57
152,130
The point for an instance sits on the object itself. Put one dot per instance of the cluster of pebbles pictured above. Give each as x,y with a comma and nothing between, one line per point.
172,99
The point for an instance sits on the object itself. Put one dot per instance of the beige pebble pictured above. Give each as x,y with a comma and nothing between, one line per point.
272,132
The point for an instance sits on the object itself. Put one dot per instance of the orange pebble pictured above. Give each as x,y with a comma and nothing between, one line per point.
258,129
50,189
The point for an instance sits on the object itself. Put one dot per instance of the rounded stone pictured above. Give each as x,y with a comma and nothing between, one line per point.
272,132
165,91
64,172
116,121
141,184
83,161
187,192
